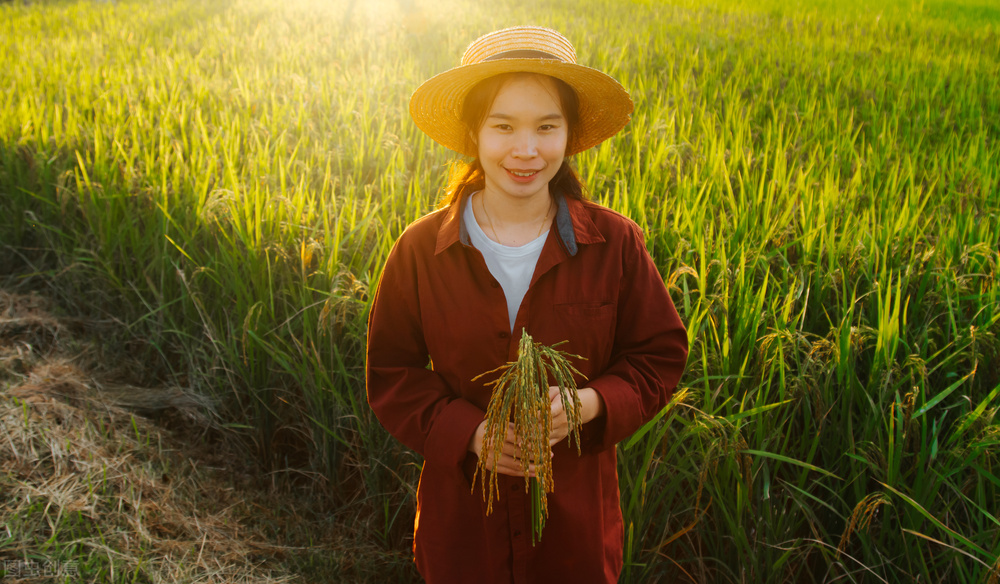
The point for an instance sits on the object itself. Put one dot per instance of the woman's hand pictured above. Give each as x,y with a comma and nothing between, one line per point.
591,405
508,458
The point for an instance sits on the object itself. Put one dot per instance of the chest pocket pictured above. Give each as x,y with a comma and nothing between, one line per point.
590,329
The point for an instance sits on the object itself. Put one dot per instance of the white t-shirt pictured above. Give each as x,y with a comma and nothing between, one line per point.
511,266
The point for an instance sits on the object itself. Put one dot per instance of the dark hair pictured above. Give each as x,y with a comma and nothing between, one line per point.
466,178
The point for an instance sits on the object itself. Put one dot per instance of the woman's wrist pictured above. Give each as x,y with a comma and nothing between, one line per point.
591,403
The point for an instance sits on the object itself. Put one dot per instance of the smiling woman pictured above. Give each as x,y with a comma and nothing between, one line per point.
459,283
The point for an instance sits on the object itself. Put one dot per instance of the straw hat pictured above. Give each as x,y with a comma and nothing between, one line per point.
436,106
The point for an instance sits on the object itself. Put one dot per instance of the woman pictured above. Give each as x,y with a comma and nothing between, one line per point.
516,247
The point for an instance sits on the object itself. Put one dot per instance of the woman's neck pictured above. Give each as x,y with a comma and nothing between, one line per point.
512,221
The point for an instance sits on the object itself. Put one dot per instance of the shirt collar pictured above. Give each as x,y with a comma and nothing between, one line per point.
573,223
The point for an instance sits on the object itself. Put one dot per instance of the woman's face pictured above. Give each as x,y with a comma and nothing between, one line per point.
522,142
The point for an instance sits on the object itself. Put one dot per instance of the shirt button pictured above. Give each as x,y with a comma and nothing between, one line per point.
517,533
513,487
495,284
503,334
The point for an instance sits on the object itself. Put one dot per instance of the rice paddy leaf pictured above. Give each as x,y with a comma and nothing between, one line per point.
783,458
964,540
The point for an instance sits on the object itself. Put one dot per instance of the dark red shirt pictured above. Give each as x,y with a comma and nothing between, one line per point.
439,319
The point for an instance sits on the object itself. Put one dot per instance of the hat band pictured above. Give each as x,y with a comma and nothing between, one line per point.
523,54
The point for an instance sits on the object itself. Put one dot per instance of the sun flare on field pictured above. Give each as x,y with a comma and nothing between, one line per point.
410,14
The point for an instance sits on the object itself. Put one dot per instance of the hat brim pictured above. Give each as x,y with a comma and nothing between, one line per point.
436,106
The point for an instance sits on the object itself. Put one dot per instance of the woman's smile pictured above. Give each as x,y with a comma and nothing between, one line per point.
522,176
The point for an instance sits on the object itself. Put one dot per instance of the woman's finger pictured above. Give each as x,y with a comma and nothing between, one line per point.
512,466
560,422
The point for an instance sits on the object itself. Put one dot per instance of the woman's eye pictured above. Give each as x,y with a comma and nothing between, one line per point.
546,127
503,127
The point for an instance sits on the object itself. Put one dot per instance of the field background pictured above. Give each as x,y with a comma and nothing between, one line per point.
216,185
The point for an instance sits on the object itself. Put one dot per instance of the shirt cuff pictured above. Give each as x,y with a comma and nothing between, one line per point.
622,410
448,440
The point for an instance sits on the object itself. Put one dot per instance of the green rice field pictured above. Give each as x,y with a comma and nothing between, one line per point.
819,185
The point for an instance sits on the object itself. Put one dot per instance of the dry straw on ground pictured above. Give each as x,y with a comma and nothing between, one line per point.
93,486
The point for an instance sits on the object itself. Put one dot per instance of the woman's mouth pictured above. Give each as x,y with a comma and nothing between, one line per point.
522,175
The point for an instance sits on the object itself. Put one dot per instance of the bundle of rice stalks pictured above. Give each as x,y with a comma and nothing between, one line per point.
520,394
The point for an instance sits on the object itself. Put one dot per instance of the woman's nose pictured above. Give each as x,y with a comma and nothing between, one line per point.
525,146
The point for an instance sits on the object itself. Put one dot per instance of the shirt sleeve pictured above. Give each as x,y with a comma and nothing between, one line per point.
650,348
411,401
